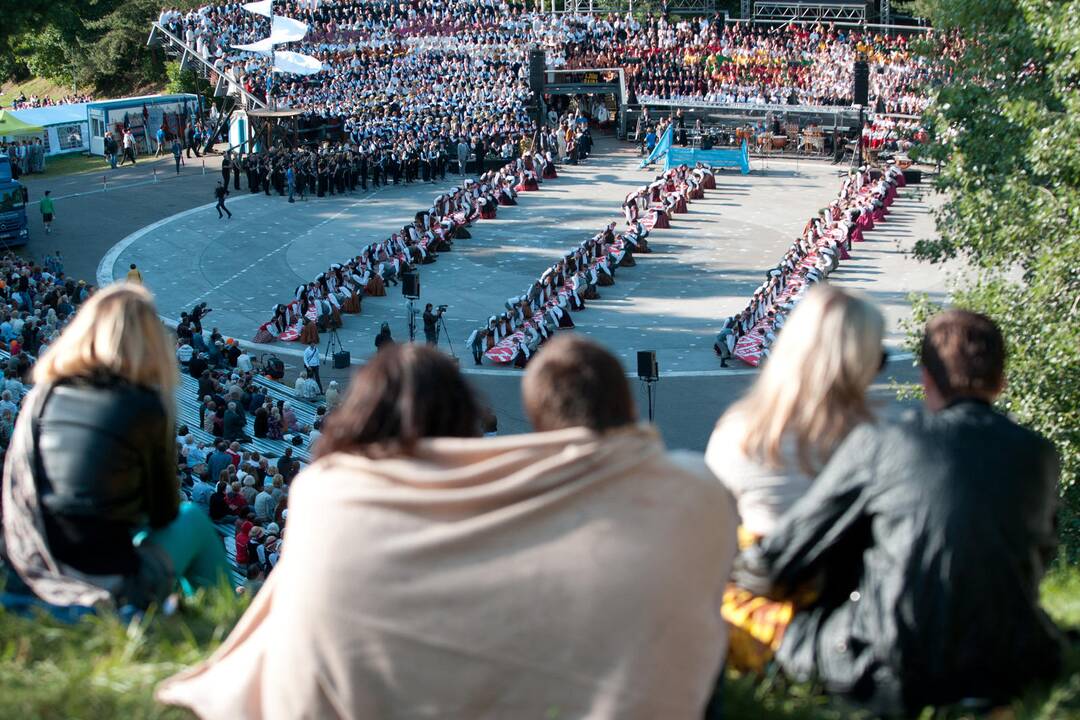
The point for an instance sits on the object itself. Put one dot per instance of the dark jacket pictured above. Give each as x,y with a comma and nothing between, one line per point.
108,468
932,536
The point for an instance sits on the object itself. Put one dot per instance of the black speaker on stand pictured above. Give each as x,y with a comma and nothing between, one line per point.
410,285
537,68
648,372
861,90
860,93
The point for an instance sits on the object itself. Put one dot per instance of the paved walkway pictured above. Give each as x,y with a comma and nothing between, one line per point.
703,268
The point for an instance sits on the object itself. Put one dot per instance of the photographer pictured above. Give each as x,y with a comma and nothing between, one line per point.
431,323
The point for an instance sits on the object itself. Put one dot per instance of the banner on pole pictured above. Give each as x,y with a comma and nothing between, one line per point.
661,147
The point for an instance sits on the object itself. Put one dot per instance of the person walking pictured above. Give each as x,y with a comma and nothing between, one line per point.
129,147
110,150
177,153
290,181
220,192
226,167
47,211
311,364
133,275
160,135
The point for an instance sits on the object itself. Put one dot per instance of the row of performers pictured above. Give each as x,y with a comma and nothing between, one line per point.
515,335
668,194
342,287
336,172
827,239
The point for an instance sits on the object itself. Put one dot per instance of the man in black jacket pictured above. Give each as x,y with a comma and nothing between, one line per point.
927,540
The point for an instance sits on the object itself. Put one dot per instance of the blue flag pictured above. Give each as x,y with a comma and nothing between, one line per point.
661,147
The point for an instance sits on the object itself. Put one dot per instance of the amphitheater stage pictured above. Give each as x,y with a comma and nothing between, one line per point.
702,269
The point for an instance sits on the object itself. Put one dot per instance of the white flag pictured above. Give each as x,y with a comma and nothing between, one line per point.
259,8
285,30
296,63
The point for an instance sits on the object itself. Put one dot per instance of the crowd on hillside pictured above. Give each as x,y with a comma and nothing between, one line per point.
812,538
22,102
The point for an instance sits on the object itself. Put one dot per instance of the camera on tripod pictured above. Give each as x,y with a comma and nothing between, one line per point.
441,309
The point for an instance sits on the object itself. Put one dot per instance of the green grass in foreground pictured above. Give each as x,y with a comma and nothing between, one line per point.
103,669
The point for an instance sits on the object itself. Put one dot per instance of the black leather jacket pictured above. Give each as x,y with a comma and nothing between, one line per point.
932,536
107,469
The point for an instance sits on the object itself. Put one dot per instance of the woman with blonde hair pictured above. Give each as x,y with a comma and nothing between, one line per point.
768,446
91,499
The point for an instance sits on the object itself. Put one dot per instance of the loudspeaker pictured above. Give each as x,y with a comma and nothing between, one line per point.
913,177
536,71
861,91
342,359
647,369
410,284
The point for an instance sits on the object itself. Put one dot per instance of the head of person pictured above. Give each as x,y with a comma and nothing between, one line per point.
116,333
574,382
399,397
812,390
962,357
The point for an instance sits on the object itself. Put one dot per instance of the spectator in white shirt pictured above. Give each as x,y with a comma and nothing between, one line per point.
184,353
305,388
243,362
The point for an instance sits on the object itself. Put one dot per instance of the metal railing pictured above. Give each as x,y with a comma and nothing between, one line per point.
161,36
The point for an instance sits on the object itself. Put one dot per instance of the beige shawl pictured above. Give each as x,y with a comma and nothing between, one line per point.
553,575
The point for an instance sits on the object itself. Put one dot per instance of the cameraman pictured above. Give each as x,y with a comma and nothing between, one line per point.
431,324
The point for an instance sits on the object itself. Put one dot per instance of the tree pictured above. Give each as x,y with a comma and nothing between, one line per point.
1006,127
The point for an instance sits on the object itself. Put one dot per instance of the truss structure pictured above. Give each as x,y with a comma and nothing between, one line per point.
796,11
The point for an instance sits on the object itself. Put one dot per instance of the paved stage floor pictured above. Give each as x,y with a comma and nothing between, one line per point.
703,269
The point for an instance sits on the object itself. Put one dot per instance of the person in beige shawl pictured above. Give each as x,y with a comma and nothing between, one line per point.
427,573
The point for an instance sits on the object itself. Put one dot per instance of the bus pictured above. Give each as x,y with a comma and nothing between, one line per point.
14,230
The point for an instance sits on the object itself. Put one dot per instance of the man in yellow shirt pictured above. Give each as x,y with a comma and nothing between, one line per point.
134,275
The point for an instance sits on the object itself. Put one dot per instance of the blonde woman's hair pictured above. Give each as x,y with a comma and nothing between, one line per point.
117,331
813,387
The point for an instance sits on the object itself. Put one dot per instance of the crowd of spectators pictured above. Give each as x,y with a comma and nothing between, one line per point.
26,156
22,102
37,300
405,72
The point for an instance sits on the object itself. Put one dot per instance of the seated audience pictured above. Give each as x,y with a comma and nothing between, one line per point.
426,533
927,540
104,390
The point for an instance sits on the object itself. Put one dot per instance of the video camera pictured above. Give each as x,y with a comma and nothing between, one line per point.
441,309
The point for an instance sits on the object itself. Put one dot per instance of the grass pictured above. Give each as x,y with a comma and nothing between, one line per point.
70,164
42,87
101,668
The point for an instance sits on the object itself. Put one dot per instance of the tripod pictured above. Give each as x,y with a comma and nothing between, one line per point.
441,328
649,382
333,343
412,319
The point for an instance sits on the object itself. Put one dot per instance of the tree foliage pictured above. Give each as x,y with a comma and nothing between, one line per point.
91,42
1007,128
